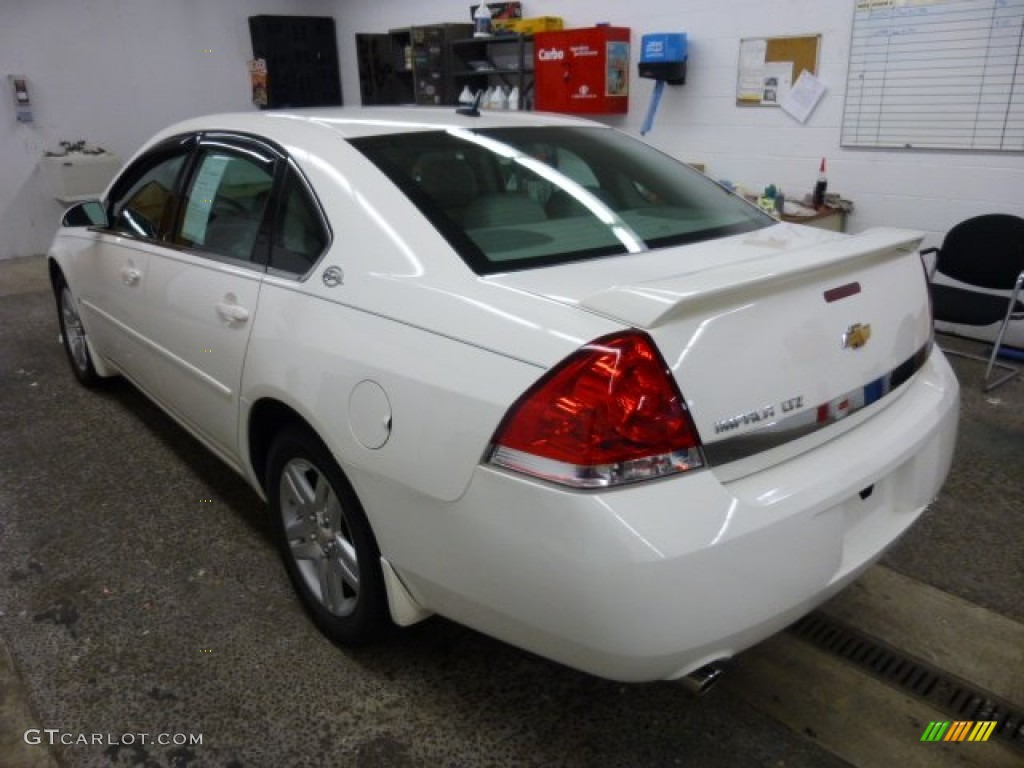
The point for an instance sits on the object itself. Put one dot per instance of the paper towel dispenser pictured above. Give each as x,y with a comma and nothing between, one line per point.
663,57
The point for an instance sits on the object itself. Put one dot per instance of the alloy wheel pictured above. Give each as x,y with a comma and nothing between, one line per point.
74,332
318,536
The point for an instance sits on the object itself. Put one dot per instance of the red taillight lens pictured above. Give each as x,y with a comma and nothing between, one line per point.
609,414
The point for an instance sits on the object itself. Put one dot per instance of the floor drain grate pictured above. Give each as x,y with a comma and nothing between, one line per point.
945,692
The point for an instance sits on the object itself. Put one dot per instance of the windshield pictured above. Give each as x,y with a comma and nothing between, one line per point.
515,198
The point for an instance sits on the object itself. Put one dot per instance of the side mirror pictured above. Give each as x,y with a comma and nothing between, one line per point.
87,214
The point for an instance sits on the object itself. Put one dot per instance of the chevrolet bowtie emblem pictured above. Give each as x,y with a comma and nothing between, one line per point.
857,336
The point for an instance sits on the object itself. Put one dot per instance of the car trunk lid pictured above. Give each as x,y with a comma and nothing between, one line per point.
772,336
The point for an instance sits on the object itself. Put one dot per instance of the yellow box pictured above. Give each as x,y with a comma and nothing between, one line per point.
530,26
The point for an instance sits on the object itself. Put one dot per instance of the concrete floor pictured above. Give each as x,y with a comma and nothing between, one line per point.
139,593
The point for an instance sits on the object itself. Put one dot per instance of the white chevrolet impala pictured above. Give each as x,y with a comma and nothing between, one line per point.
521,371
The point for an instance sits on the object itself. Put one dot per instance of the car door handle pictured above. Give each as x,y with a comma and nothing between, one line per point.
233,313
130,276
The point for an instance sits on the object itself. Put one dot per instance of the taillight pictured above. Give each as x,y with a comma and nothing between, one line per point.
609,414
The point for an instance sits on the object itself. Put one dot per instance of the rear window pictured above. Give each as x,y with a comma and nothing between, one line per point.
515,198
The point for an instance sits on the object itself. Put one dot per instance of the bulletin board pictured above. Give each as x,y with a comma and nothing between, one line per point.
769,66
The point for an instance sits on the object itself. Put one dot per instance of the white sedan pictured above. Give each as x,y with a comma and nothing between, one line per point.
521,371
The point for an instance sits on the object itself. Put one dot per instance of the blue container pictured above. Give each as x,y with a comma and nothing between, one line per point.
663,48
663,57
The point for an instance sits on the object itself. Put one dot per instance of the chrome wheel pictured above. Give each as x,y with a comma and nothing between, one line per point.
74,333
319,537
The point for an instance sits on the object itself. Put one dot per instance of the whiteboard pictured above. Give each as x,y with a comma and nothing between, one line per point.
936,74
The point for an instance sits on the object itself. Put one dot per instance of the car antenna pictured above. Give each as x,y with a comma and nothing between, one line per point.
472,110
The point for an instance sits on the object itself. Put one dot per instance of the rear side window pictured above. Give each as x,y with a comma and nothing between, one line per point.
146,208
299,232
516,198
225,203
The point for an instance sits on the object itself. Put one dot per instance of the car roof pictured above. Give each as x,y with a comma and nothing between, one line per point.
355,122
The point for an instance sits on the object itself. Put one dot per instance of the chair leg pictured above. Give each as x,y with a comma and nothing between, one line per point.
999,339
988,386
1006,320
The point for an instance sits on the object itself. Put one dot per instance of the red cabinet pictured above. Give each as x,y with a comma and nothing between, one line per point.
582,71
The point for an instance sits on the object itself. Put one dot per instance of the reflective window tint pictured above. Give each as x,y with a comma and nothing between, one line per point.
299,236
147,208
225,204
515,198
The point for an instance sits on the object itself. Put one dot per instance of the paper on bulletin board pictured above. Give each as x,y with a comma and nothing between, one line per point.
803,97
750,86
778,79
766,83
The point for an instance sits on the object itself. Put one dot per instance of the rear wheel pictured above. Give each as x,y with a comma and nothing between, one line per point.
325,540
72,334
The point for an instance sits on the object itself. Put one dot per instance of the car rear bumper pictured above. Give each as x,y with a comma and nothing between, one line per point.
653,581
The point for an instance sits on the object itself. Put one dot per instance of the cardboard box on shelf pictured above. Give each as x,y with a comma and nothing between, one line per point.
530,26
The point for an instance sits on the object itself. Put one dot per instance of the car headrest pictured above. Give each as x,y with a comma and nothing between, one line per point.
448,179
503,210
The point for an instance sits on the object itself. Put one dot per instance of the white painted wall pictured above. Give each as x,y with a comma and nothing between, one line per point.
113,72
700,122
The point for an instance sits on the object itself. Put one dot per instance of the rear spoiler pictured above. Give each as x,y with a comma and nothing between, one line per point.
650,304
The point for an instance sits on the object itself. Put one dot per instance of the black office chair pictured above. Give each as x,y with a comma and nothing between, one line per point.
984,252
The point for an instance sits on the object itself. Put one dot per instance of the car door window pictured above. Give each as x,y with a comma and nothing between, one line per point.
299,235
146,209
225,202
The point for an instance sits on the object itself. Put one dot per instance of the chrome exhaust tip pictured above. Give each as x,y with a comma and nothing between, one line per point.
700,680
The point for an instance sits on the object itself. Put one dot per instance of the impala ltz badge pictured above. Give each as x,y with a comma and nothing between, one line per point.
857,336
766,414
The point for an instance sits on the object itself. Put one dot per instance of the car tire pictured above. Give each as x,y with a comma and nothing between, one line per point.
73,338
325,540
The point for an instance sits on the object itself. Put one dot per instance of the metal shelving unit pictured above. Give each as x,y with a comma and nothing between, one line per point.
480,62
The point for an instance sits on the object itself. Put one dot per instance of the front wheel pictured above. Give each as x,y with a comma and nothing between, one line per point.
72,335
325,540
